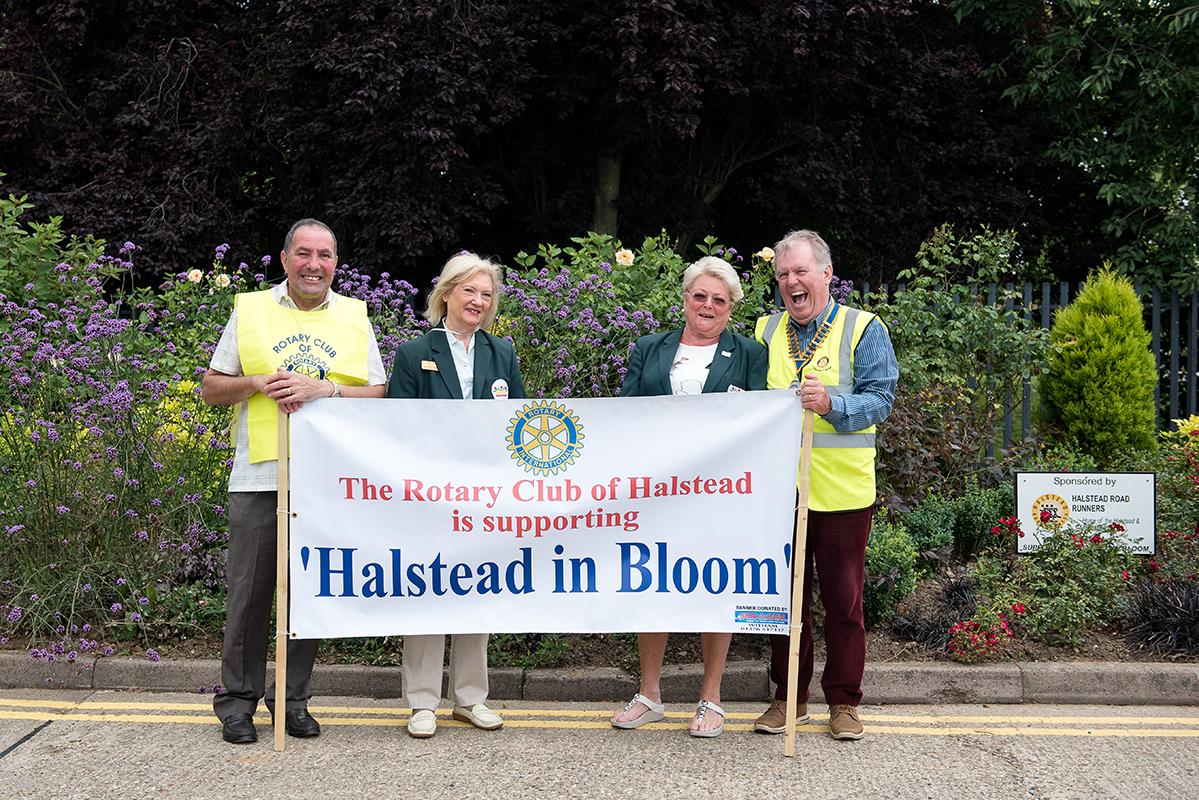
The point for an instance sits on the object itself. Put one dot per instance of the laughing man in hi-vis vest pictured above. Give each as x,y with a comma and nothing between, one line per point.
283,347
841,363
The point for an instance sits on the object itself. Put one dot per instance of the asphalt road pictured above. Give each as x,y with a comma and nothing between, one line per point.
102,744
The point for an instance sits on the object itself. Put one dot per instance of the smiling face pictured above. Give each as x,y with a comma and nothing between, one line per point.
309,264
706,310
803,283
467,303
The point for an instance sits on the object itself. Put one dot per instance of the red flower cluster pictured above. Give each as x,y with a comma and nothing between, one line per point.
1045,516
1007,526
1019,607
969,641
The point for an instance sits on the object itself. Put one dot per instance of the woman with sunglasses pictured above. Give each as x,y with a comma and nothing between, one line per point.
701,357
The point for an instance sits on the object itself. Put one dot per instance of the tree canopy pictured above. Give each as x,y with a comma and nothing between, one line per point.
420,128
1121,80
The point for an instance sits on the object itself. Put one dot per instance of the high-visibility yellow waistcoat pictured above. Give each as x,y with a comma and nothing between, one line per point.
328,344
842,476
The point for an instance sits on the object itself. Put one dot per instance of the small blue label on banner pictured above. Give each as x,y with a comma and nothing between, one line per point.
767,617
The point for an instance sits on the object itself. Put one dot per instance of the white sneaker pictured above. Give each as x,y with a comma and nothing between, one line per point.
423,724
480,716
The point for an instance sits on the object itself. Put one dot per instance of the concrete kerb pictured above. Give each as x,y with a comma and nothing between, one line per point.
926,682
1100,682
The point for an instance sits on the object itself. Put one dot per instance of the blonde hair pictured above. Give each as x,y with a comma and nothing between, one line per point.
717,268
459,269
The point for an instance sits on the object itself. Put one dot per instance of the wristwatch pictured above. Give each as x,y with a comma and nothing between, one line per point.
336,390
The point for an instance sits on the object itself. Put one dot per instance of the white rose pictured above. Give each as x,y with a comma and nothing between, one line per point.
195,276
624,257
222,281
766,254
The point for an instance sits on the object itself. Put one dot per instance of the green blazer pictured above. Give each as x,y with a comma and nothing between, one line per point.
739,362
424,369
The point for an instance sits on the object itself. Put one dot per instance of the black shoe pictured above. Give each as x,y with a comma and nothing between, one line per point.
300,723
239,729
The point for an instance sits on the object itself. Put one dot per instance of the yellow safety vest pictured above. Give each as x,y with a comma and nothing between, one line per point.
329,344
842,476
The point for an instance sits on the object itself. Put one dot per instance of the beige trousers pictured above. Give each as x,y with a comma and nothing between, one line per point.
423,659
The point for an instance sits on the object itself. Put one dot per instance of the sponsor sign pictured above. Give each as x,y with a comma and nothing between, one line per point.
1123,503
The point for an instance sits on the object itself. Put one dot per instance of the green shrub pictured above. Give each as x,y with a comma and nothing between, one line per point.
931,525
30,254
977,510
527,650
1070,585
1058,456
1177,471
890,568
963,361
1099,385
375,651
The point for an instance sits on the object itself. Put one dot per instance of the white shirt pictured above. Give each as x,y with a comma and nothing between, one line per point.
464,363
689,370
264,476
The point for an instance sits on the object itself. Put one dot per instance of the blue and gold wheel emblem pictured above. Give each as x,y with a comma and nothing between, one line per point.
545,437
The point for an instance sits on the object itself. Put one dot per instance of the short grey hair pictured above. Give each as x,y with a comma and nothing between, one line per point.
819,247
459,269
305,223
717,268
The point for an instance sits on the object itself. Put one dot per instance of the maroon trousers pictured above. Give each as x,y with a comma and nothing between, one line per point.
837,549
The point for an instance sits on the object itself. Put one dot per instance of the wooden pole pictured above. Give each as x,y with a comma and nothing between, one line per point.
281,564
798,561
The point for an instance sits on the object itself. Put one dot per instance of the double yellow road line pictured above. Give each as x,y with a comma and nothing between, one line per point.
886,722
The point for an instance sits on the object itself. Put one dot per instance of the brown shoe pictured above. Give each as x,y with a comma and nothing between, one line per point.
774,719
843,722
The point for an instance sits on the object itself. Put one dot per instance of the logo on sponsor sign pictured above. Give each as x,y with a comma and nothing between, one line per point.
1057,508
545,437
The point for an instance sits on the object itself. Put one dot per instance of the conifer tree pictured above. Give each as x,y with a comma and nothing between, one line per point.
1100,379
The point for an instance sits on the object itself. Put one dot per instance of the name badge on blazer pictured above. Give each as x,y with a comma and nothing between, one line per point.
429,365
499,389
733,388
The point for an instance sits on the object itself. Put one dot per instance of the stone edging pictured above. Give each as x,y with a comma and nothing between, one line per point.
912,682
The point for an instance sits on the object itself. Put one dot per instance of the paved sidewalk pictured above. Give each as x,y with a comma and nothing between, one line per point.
915,682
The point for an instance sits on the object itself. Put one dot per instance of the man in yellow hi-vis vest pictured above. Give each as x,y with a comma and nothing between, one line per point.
297,342
841,363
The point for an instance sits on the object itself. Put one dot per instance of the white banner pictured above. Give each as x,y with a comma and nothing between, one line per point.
508,516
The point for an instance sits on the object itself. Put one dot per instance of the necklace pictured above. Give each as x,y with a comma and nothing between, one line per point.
802,357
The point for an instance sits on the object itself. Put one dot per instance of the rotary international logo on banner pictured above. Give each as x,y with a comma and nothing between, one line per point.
504,516
545,437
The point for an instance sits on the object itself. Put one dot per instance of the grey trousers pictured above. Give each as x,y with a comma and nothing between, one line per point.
250,581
